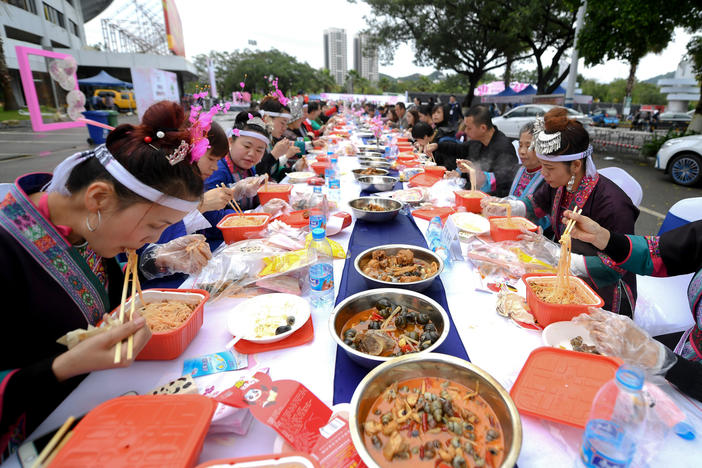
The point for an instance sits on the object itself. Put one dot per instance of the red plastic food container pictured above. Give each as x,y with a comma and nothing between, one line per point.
320,167
406,157
500,233
546,313
270,191
164,346
233,234
322,159
436,171
402,140
559,385
143,431
471,204
422,179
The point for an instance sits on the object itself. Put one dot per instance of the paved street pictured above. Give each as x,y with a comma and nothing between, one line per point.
23,151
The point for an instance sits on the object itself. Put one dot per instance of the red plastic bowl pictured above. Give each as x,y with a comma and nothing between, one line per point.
319,168
471,204
437,171
169,345
499,233
270,191
233,234
546,313
322,159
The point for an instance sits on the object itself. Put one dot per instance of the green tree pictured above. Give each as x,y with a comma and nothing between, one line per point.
546,29
626,30
467,37
6,81
694,53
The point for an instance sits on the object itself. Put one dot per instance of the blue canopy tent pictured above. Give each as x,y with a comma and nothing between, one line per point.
527,91
505,96
104,79
559,90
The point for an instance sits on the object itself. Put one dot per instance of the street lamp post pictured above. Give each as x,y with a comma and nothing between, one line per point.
573,73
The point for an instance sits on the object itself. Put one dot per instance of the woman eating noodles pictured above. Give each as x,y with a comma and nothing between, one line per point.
563,148
58,237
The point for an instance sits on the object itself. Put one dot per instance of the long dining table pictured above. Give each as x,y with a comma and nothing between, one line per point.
491,342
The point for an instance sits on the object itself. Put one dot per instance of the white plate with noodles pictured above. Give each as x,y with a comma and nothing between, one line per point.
471,223
268,318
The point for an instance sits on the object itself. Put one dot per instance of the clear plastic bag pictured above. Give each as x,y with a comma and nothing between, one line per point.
442,192
511,259
275,207
187,254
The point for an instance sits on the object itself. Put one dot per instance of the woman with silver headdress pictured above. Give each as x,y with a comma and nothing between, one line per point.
563,148
59,235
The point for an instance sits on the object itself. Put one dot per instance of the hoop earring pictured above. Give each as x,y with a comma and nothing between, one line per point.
87,222
569,187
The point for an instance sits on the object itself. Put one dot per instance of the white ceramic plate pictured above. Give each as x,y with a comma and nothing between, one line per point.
471,222
242,319
559,334
300,177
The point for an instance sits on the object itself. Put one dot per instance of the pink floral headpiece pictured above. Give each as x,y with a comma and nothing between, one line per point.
200,124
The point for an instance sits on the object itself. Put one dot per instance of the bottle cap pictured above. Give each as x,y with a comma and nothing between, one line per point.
318,233
630,377
317,189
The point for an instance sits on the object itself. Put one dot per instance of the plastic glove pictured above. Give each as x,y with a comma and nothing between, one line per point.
247,188
618,336
490,209
187,254
300,164
543,248
281,148
216,199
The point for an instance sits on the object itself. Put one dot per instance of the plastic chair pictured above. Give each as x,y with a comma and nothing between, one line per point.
683,212
625,182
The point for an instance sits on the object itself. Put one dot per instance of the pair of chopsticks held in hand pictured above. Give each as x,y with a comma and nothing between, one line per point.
233,204
62,436
571,222
130,273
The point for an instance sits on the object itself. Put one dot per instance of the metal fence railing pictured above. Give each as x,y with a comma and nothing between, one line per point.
606,140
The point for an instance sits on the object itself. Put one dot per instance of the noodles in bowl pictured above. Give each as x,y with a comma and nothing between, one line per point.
239,221
165,316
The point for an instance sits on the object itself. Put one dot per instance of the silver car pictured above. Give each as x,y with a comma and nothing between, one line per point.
511,122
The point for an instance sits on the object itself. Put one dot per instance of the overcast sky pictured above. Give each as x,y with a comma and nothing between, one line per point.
296,27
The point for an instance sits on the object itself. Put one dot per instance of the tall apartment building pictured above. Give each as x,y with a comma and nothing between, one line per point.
335,53
365,61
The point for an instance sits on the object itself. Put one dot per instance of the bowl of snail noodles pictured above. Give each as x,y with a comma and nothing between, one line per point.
433,410
378,325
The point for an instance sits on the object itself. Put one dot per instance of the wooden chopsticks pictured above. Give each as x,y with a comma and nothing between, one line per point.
55,444
130,272
235,206
571,222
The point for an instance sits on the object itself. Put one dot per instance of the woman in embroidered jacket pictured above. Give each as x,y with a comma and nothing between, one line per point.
528,178
676,252
58,237
563,147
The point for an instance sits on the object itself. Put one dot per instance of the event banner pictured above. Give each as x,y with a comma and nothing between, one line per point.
152,85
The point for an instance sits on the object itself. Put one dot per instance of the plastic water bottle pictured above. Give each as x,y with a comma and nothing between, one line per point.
434,240
321,272
616,421
319,210
300,143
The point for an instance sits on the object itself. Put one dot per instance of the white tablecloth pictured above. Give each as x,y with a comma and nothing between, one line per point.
492,343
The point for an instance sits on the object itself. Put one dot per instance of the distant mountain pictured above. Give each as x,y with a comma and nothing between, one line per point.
437,75
655,79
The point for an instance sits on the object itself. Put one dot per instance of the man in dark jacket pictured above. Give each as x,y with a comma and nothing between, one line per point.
489,152
455,113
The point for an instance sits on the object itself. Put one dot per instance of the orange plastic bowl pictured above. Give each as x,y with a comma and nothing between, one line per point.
437,171
169,345
322,159
270,191
502,233
233,234
320,167
471,204
546,313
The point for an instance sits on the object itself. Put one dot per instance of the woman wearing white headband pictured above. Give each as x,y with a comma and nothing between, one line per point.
58,237
563,148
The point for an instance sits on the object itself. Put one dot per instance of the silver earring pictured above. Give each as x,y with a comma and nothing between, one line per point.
87,222
571,182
